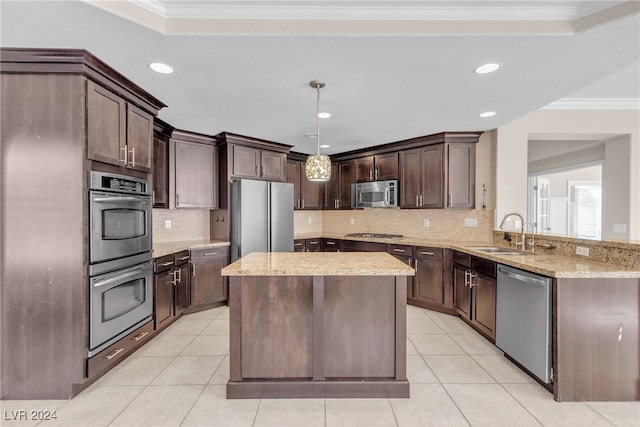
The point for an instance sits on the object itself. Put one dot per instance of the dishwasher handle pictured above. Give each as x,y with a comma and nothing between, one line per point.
522,277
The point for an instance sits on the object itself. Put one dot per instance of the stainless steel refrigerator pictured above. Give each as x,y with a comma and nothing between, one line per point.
261,217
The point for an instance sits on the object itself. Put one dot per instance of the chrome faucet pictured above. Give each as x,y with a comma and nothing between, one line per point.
521,243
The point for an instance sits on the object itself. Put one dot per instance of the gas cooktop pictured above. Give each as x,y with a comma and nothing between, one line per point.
375,235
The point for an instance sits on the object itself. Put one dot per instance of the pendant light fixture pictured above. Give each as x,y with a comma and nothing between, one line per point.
318,167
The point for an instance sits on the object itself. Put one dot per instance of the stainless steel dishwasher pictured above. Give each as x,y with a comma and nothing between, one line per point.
523,319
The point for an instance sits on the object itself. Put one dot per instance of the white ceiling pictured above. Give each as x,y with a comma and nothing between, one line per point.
394,69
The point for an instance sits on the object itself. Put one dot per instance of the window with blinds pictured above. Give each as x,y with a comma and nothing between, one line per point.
585,203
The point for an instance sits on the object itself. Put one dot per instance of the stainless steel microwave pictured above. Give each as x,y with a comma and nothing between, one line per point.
376,194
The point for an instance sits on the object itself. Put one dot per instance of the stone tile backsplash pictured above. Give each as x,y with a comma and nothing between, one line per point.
186,224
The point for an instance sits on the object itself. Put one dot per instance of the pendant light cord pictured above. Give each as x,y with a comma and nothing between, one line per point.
318,117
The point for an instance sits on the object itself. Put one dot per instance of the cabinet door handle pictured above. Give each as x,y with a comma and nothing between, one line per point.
421,201
193,270
302,203
417,201
377,173
140,336
133,156
370,174
125,155
177,199
471,277
115,353
450,200
466,278
338,203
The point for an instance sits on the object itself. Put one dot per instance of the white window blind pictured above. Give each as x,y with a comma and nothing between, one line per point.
586,208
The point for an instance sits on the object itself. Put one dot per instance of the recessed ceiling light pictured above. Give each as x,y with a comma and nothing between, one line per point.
488,114
324,146
161,68
487,68
324,115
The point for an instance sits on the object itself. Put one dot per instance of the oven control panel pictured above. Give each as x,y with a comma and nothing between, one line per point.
118,183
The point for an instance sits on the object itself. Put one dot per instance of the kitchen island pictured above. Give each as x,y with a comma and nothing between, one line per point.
317,325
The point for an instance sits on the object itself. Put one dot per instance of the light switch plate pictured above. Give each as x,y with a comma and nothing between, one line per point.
425,223
352,221
620,228
309,220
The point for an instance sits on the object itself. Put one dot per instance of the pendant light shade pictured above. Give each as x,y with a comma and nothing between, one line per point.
318,167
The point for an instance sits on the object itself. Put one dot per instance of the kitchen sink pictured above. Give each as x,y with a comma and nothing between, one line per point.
497,251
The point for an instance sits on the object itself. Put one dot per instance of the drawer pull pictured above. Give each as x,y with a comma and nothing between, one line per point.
183,258
315,242
164,264
331,243
426,253
140,336
210,253
297,244
398,250
115,353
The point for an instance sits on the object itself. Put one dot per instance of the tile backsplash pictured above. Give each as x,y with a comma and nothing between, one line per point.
437,224
186,224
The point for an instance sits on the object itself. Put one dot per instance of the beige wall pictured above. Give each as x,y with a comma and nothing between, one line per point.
511,163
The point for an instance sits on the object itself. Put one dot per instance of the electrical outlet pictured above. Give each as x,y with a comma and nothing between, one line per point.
581,250
470,222
425,223
309,220
167,224
352,221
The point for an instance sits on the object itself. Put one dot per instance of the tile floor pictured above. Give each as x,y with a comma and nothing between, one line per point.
457,379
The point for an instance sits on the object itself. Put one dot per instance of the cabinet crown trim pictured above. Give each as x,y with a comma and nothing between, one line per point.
232,138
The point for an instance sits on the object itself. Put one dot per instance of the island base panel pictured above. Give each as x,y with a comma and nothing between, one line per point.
317,389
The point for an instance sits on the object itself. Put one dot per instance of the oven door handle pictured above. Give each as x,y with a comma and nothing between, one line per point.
121,199
120,277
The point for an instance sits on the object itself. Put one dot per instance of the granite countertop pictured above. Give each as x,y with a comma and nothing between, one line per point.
545,263
166,248
318,264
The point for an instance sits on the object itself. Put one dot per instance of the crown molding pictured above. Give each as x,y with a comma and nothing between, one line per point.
594,104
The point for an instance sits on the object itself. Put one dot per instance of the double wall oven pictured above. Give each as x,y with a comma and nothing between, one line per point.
120,266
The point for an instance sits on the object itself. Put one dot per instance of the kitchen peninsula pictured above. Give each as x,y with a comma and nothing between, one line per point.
299,327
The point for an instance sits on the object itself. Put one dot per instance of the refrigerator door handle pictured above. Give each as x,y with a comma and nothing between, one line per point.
269,203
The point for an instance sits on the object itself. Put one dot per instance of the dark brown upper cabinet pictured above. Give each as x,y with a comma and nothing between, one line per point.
376,168
438,176
118,133
306,194
193,171
161,135
254,163
338,190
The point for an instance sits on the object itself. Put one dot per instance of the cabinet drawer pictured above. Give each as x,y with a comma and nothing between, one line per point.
298,245
404,250
484,266
181,257
211,252
331,244
462,259
163,263
117,352
428,253
357,246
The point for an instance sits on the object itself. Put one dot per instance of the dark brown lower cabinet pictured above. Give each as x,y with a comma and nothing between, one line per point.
171,288
475,292
208,287
429,288
298,245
